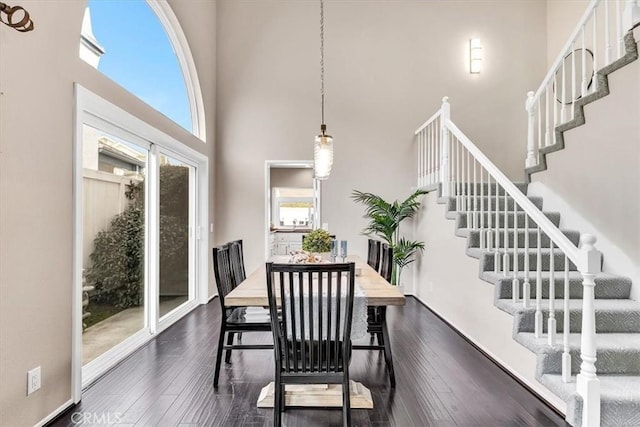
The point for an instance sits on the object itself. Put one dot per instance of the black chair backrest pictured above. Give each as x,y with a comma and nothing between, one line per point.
236,260
386,262
312,331
222,272
373,254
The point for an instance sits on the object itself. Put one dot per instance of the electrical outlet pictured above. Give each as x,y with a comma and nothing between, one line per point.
34,380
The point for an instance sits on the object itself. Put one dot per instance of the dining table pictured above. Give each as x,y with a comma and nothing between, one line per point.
252,292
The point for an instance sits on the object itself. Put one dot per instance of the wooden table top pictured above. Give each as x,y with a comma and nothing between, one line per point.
252,292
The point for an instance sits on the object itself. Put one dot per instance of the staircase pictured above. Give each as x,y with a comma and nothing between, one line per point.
579,322
617,317
602,89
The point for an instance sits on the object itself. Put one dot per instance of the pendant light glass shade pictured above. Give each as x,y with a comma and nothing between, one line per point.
322,155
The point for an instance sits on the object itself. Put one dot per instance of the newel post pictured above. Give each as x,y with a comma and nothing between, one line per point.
445,115
531,158
588,385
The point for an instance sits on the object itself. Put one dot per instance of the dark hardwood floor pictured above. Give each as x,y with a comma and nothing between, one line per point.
441,381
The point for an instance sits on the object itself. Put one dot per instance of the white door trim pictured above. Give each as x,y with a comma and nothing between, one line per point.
268,164
91,109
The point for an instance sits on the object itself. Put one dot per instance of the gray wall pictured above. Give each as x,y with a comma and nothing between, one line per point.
291,177
388,64
37,72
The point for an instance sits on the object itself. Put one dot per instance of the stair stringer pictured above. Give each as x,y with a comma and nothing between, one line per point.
602,79
447,282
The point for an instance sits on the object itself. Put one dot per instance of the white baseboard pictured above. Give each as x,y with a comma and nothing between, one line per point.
52,416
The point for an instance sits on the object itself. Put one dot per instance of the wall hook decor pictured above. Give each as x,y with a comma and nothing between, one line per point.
15,17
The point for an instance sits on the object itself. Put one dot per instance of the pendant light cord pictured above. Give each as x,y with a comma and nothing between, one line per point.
322,57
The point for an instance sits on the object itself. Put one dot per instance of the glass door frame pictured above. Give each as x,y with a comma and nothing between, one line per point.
194,235
93,110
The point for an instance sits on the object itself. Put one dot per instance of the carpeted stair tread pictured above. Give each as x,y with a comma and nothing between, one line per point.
474,237
484,188
612,315
621,305
462,219
612,341
487,259
474,203
617,353
619,396
608,286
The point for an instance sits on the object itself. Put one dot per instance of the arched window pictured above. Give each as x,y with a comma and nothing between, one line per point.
140,45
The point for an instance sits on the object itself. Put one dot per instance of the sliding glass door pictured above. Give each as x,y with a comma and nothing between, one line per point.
114,249
176,235
140,245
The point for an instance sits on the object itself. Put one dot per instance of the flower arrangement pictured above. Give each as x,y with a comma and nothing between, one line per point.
317,241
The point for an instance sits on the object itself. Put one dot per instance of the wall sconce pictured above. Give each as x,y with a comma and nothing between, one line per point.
475,56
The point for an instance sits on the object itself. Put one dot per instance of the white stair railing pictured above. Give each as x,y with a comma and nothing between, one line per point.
501,226
596,42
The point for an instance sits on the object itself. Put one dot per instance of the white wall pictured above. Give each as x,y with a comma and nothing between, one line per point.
448,282
562,18
388,64
37,72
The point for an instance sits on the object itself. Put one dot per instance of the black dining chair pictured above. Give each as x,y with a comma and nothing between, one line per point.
386,261
233,319
373,254
377,317
312,330
236,259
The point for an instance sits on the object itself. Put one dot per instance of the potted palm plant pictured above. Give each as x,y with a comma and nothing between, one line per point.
384,222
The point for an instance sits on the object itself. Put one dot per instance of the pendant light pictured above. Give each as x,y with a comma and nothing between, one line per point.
323,147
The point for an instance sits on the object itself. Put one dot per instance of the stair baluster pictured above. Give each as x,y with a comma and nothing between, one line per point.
551,322
444,135
432,157
539,127
566,326
475,196
573,81
489,214
583,86
505,235
531,157
607,36
538,315
496,255
515,283
458,182
619,32
438,153
563,112
547,125
420,137
483,242
595,46
555,107
526,287
469,187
